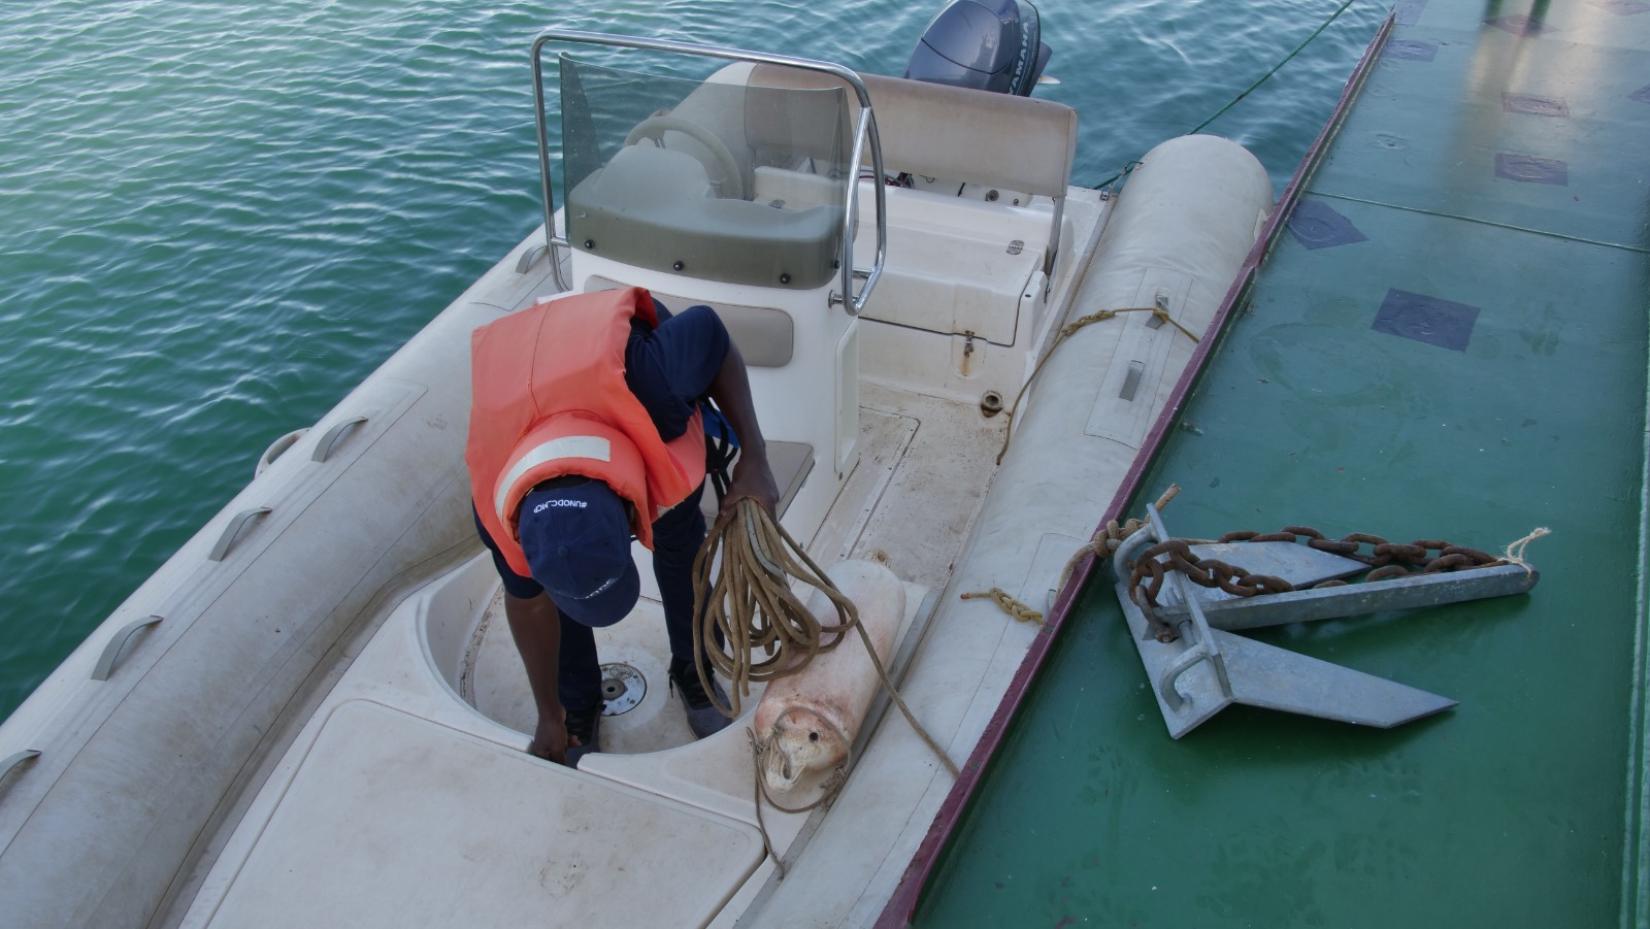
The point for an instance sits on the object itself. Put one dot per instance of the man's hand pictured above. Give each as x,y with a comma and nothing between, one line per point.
551,741
536,627
751,475
753,478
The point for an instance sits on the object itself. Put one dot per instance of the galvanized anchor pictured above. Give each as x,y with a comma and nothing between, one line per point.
1207,667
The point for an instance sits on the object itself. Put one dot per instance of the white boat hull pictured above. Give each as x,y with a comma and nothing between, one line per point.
283,746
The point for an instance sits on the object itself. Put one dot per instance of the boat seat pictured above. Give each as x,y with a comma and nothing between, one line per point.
653,208
1014,143
951,283
791,463
924,285
941,280
766,336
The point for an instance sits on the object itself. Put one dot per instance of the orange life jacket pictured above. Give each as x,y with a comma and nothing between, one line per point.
549,398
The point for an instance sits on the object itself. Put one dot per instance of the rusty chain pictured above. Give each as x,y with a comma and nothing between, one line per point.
1385,559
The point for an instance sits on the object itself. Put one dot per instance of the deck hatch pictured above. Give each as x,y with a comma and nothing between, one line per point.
428,826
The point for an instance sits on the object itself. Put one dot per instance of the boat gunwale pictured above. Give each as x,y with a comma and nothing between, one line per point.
1635,853
902,905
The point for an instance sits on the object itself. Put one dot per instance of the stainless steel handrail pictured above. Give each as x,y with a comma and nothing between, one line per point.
1054,237
850,219
551,240
866,130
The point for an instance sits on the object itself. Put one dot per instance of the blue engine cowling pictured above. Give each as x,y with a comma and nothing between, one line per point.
991,45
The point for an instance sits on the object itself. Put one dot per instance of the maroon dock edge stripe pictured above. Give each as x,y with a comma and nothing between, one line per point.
902,905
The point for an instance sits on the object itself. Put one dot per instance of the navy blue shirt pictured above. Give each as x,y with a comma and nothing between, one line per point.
669,369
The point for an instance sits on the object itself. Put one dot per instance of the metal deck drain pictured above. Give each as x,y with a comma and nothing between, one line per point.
623,687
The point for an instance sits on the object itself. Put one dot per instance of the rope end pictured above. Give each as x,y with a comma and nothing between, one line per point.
1007,603
1515,549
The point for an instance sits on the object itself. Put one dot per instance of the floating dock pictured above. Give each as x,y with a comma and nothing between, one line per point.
1446,338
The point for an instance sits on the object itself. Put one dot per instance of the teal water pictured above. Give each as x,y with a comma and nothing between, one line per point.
216,217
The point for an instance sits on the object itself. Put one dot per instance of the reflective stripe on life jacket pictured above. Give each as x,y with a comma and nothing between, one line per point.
549,398
593,447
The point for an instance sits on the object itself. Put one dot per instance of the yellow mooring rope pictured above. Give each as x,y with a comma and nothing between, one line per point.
751,604
1105,541
1067,331
1008,603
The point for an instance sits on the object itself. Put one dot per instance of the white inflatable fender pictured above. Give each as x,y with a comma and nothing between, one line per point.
808,720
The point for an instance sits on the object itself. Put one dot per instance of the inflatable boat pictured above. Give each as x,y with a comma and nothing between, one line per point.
313,713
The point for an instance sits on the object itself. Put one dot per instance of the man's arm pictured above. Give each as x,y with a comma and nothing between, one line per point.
688,357
536,627
752,477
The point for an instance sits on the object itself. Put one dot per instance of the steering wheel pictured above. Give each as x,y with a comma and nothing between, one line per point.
732,181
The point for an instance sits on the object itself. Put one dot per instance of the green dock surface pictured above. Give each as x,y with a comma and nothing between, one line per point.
1448,341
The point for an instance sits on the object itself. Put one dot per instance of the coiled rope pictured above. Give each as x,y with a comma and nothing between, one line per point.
749,607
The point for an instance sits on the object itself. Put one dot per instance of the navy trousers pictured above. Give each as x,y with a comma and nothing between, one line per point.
677,536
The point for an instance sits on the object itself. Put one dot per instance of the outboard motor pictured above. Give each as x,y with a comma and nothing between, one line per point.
991,45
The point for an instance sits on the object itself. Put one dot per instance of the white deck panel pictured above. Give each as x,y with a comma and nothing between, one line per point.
393,821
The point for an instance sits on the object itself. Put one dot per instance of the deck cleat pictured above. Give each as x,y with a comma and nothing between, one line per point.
1198,666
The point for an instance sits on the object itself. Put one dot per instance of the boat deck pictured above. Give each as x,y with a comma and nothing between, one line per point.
1447,340
908,442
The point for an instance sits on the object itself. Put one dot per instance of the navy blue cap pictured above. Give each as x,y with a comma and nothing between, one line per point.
576,536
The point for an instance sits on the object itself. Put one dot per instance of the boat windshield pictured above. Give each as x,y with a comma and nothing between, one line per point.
738,178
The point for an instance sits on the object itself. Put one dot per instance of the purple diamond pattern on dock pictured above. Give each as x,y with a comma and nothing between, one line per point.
1432,320
1411,50
1529,169
1534,105
1519,25
1316,224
